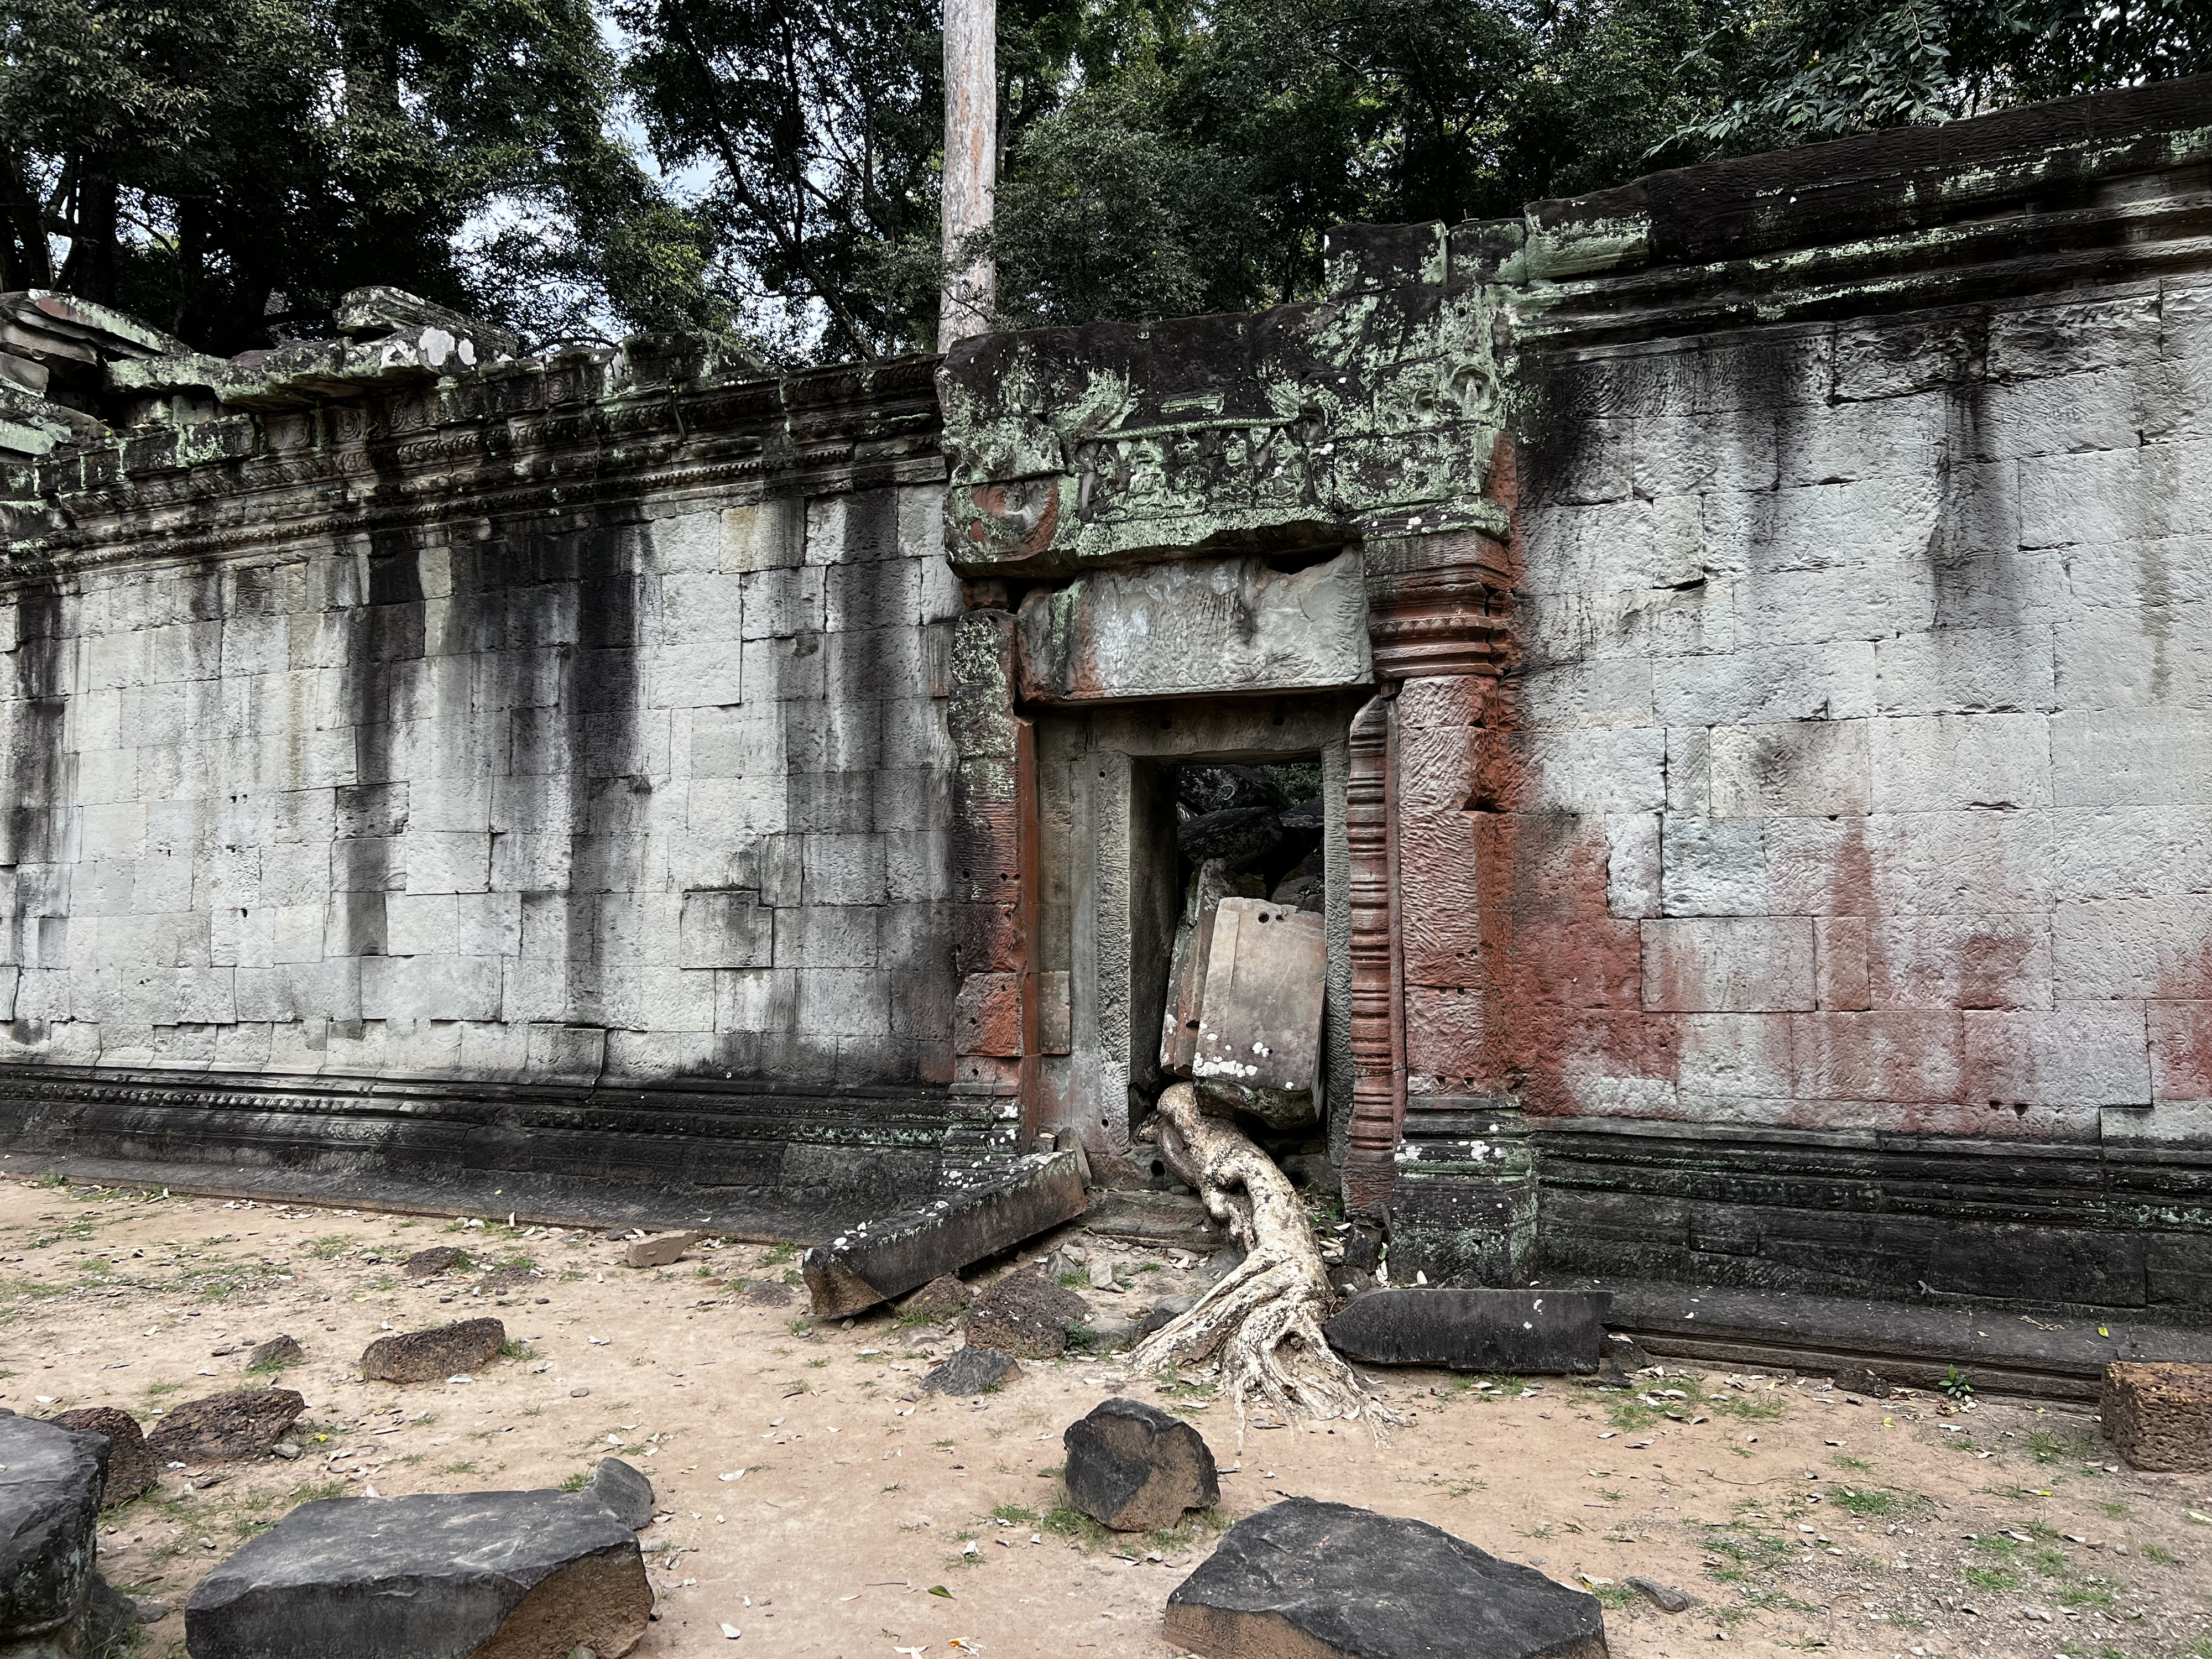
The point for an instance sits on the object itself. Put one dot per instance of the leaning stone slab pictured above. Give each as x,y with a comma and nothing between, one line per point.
2158,1414
242,1423
427,1356
130,1467
50,1484
522,1574
877,1260
1309,1580
661,1250
1516,1331
1134,1468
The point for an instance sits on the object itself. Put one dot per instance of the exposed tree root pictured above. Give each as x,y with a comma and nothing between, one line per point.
1263,1317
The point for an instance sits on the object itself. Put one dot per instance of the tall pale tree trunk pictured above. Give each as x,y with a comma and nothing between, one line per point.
971,153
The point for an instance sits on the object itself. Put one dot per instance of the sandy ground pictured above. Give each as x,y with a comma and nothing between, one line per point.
821,1509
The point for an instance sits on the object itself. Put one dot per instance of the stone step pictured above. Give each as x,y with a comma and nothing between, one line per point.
1144,1217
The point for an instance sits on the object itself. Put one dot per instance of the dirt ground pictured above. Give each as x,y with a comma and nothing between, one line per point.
818,1507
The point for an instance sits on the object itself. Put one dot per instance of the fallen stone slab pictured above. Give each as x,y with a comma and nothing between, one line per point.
970,1372
1309,1580
1514,1331
876,1260
2158,1414
131,1467
1665,1597
50,1488
429,1264
427,1356
240,1423
943,1298
1134,1468
1026,1315
661,1250
521,1574
276,1351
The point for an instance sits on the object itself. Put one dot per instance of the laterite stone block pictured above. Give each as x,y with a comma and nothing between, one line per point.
2158,1414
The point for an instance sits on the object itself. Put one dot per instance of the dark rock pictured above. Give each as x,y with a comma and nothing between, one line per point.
1620,1359
242,1423
1363,1248
877,1260
661,1250
131,1467
1026,1315
1163,1312
1222,1262
1315,1579
1300,891
147,1611
502,1281
769,1292
1859,1380
276,1351
1516,1331
1107,1329
106,1626
1309,814
1236,837
437,1576
50,1484
623,1490
971,1370
426,1356
1665,1597
429,1264
943,1298
1132,1467
1208,786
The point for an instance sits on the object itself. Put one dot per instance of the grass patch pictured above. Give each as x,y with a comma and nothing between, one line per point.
1864,1503
1611,1597
512,1348
466,1465
1012,1514
574,1482
1746,1407
1632,1414
1858,1465
778,1255
2056,1446
1992,1578
1068,1522
2158,1555
2077,1596
2113,1511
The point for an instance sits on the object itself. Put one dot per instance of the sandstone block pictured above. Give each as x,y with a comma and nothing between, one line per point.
242,1423
1026,1314
427,1356
661,1250
2158,1414
533,1574
943,1298
1474,1330
970,1372
427,1264
131,1467
1316,1580
1729,965
1134,1468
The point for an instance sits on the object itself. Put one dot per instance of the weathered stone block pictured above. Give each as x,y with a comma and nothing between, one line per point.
661,1250
1134,1468
2159,1415
972,1370
1727,964
1309,1580
1026,1315
442,1576
131,1467
50,1491
427,1356
242,1423
873,1261
1474,1330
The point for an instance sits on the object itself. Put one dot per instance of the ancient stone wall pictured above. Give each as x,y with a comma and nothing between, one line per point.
544,727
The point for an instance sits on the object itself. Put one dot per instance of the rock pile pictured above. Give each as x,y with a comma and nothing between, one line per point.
1026,1315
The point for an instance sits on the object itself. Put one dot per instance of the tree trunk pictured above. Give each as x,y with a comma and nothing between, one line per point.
1262,1318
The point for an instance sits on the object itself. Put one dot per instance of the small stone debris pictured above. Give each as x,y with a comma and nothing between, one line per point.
577,1393
661,1251
429,1356
1859,1380
1026,1315
623,1490
876,1260
432,1577
2158,1414
276,1351
131,1467
429,1264
1163,1312
239,1424
970,1372
52,1600
1314,1578
1102,1275
1521,1332
1665,1597
147,1610
1620,1358
943,1298
1132,1467
285,1449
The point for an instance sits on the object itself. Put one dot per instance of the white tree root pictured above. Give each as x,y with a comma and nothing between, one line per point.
1263,1317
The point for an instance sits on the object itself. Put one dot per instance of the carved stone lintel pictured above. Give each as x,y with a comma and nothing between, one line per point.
1437,604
